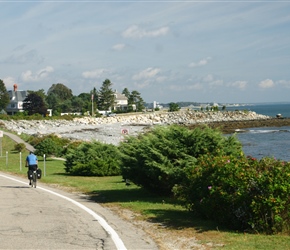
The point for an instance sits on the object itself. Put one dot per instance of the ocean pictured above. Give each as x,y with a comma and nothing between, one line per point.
266,141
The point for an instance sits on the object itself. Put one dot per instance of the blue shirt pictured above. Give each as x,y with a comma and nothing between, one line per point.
31,159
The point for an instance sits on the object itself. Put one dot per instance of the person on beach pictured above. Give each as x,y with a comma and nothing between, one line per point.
31,163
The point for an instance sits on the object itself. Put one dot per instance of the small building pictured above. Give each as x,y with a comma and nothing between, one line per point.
121,101
16,100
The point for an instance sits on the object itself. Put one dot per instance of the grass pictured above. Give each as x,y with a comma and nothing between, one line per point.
112,192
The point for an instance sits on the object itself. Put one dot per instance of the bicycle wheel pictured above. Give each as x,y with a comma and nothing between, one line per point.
34,179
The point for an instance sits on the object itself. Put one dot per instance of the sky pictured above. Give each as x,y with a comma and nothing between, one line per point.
169,51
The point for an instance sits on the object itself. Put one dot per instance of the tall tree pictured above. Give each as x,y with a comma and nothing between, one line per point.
34,104
126,92
4,96
87,101
61,91
52,101
106,96
77,104
136,99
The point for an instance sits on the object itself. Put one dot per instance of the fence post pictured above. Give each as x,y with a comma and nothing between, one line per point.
44,170
20,161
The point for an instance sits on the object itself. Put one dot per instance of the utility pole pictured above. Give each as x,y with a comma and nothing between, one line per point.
92,104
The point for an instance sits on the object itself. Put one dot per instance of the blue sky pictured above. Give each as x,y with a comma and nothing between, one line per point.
169,51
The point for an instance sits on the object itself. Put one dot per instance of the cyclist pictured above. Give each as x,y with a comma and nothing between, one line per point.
31,162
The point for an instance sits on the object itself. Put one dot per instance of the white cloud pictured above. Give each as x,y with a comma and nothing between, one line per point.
216,83
180,87
196,86
135,31
146,74
161,78
268,83
284,83
28,76
94,73
119,46
208,78
239,84
200,63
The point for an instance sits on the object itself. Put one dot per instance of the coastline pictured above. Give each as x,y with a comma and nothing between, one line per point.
229,127
111,129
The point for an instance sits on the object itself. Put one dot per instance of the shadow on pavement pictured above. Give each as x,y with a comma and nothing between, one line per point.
14,187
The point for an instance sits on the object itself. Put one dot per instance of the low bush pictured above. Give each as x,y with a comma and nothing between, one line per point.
93,159
50,145
156,160
240,193
19,147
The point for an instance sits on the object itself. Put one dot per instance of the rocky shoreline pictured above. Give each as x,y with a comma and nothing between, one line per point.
238,126
113,129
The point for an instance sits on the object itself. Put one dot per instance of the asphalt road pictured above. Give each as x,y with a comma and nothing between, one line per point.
47,218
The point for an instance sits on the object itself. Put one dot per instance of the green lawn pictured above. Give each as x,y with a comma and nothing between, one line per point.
112,191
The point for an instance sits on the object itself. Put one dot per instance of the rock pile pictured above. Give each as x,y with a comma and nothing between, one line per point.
113,129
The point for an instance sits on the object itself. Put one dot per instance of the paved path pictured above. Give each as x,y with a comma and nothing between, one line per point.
46,218
19,140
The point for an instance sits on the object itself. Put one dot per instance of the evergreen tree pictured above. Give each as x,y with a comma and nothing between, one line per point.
136,99
4,96
106,96
126,92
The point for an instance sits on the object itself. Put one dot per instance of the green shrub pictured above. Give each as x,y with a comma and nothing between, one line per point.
19,147
240,193
156,160
50,145
93,159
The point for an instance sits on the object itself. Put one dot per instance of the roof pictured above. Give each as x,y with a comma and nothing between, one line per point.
120,96
17,96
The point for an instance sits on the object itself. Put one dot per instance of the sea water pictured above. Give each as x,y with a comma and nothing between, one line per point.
266,141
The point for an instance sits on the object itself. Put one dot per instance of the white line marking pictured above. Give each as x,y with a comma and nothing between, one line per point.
115,237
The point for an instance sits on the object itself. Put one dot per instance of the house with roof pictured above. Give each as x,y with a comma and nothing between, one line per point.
121,101
16,100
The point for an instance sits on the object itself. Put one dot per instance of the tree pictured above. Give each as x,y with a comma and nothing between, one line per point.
59,98
34,104
4,96
173,107
66,106
52,101
135,98
106,96
77,104
61,91
40,92
87,103
126,92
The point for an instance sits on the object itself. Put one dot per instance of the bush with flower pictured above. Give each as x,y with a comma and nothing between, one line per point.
242,193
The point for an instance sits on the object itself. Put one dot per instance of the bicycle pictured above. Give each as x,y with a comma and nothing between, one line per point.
34,178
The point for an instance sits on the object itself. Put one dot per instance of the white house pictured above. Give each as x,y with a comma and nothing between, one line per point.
121,101
16,100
